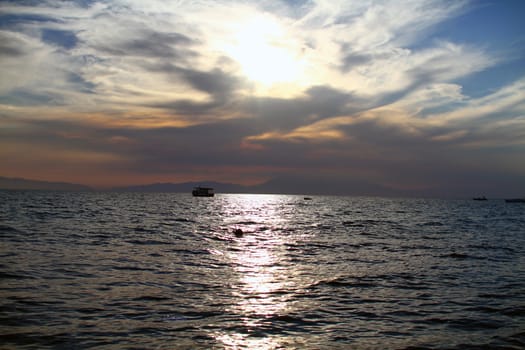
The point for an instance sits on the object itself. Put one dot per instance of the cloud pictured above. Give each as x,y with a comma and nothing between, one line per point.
149,87
119,51
131,38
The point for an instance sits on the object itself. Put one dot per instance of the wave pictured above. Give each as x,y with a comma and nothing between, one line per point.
156,270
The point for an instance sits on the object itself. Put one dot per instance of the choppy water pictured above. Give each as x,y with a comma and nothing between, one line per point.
166,271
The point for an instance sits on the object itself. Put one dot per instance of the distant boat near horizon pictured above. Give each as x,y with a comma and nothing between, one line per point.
203,192
482,198
515,200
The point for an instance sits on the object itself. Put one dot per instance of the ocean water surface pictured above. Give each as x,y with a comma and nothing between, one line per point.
167,271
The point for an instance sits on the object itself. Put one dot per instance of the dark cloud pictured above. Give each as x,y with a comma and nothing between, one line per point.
220,85
215,82
29,97
353,60
268,114
190,107
149,43
22,96
8,49
376,159
320,102
208,145
153,150
80,84
385,159
11,45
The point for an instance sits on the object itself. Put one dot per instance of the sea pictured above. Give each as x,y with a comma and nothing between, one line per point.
95,270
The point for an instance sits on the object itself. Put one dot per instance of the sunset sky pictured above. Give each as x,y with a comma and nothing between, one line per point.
415,95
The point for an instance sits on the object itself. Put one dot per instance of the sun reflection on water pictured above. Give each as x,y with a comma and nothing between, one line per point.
263,278
260,282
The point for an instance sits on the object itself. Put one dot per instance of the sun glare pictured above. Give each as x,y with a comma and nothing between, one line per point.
263,50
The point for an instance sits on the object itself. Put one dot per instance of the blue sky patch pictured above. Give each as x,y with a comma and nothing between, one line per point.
63,38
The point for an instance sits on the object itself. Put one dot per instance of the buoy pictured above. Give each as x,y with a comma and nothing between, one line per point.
238,232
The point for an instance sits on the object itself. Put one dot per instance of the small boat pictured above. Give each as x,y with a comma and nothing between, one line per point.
202,192
482,198
515,200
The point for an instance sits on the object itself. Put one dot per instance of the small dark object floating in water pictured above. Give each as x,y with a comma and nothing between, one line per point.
482,198
238,232
307,198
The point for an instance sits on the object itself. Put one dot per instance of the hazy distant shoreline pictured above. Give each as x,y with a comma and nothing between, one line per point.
7,183
275,186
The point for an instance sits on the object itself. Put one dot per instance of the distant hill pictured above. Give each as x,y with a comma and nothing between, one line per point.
184,187
7,183
302,185
282,185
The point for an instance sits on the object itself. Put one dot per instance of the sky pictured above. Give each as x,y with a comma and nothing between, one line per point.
423,96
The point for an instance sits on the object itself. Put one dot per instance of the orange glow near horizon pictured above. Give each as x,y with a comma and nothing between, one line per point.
101,179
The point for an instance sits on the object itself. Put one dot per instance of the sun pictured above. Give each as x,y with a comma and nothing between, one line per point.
265,53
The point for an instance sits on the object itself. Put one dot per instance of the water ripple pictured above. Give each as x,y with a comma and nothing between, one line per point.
82,270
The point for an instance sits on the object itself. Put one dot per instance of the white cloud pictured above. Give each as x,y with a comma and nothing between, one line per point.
166,57
121,37
505,103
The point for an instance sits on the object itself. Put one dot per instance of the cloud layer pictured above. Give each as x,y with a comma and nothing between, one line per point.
124,92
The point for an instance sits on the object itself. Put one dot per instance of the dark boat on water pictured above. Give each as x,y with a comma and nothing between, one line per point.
515,200
482,198
202,192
